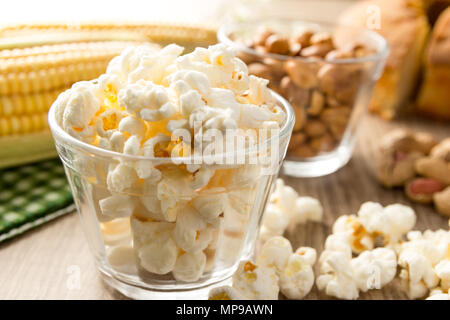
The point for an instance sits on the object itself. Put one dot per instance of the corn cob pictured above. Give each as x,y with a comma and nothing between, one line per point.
37,62
157,32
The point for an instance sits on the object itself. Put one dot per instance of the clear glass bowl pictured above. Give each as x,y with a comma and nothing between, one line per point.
329,96
149,255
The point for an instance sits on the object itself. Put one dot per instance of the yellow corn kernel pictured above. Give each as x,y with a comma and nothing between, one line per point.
23,124
28,103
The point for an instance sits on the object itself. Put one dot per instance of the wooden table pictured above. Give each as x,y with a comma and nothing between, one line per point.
41,263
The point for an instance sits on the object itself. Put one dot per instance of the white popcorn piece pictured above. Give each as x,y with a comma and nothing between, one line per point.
359,238
392,222
132,126
256,282
155,247
117,206
189,266
116,232
275,220
297,278
201,178
159,256
442,270
275,254
438,294
210,207
225,293
336,277
191,232
286,209
173,191
307,209
121,177
122,259
374,269
417,274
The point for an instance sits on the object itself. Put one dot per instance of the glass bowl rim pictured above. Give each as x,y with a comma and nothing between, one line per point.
60,135
225,30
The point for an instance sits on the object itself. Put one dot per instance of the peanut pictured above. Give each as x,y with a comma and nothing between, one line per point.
422,189
395,167
315,128
277,44
301,73
442,150
262,36
317,103
434,168
303,38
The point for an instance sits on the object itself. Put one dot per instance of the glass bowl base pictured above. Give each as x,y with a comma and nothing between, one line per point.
138,293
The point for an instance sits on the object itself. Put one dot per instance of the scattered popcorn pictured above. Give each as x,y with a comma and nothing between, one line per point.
417,274
358,237
256,282
297,278
442,270
438,294
225,293
286,209
374,269
336,276
391,222
275,254
424,262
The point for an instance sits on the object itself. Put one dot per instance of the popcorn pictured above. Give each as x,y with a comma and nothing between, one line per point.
189,266
210,206
191,231
358,237
256,282
374,269
132,126
297,278
424,261
438,294
336,277
116,232
442,270
121,177
417,274
392,222
275,254
225,293
147,101
307,209
184,217
286,208
156,250
117,206
122,259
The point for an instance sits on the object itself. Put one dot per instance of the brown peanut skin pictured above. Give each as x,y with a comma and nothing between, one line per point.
421,190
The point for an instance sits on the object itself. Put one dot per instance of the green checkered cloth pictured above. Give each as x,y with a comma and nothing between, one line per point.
32,195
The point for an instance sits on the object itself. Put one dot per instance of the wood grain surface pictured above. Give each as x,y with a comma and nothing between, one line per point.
40,263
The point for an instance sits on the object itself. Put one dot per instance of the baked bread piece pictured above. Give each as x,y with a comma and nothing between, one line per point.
404,25
434,97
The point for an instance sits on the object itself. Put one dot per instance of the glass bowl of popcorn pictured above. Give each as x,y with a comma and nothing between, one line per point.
170,158
325,71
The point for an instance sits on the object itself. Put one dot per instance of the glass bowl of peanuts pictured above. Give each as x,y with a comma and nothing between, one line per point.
326,72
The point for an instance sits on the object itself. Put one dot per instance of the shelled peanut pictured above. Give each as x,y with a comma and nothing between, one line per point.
420,164
321,89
